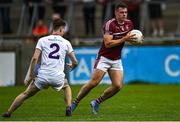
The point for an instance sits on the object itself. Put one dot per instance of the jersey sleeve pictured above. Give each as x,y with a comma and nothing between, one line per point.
39,44
108,28
69,48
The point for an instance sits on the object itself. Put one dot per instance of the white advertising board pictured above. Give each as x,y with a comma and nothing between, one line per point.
7,68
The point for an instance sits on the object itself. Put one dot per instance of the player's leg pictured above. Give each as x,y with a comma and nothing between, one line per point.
85,89
67,97
30,91
116,77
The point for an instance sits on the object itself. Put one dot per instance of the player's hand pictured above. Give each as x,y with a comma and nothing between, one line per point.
134,42
26,82
142,38
129,38
71,67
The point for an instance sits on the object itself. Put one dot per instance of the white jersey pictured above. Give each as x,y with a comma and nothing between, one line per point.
54,49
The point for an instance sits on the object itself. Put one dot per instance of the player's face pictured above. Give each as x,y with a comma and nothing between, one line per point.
121,14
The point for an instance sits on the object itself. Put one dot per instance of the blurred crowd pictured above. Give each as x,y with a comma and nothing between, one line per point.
36,12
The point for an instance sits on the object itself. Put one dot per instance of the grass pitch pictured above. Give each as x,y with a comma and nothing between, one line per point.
138,102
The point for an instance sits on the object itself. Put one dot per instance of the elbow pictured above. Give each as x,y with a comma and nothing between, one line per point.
108,45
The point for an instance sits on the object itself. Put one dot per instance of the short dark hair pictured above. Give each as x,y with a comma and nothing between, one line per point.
58,23
121,5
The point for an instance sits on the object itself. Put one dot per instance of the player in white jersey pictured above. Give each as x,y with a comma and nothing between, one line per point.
53,49
66,89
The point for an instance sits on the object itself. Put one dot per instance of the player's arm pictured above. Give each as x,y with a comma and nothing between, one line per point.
73,60
110,42
32,65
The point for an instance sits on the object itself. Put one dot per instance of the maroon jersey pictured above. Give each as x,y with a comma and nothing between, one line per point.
112,27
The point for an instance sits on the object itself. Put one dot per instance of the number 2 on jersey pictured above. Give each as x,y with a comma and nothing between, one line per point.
53,53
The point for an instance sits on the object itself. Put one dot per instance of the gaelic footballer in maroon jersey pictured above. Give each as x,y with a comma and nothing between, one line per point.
109,58
117,30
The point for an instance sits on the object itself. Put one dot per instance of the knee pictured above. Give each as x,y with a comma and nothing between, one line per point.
118,87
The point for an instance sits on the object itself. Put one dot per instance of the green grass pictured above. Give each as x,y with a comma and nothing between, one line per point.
138,102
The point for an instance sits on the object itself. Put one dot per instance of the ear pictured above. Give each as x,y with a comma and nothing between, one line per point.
60,29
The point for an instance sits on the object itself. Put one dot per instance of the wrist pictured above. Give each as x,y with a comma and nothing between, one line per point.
122,39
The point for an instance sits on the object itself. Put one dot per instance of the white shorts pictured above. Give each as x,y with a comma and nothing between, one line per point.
43,82
105,64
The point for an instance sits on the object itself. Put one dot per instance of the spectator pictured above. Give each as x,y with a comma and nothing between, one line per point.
89,16
5,16
104,4
58,6
134,11
40,10
40,30
156,16
57,16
